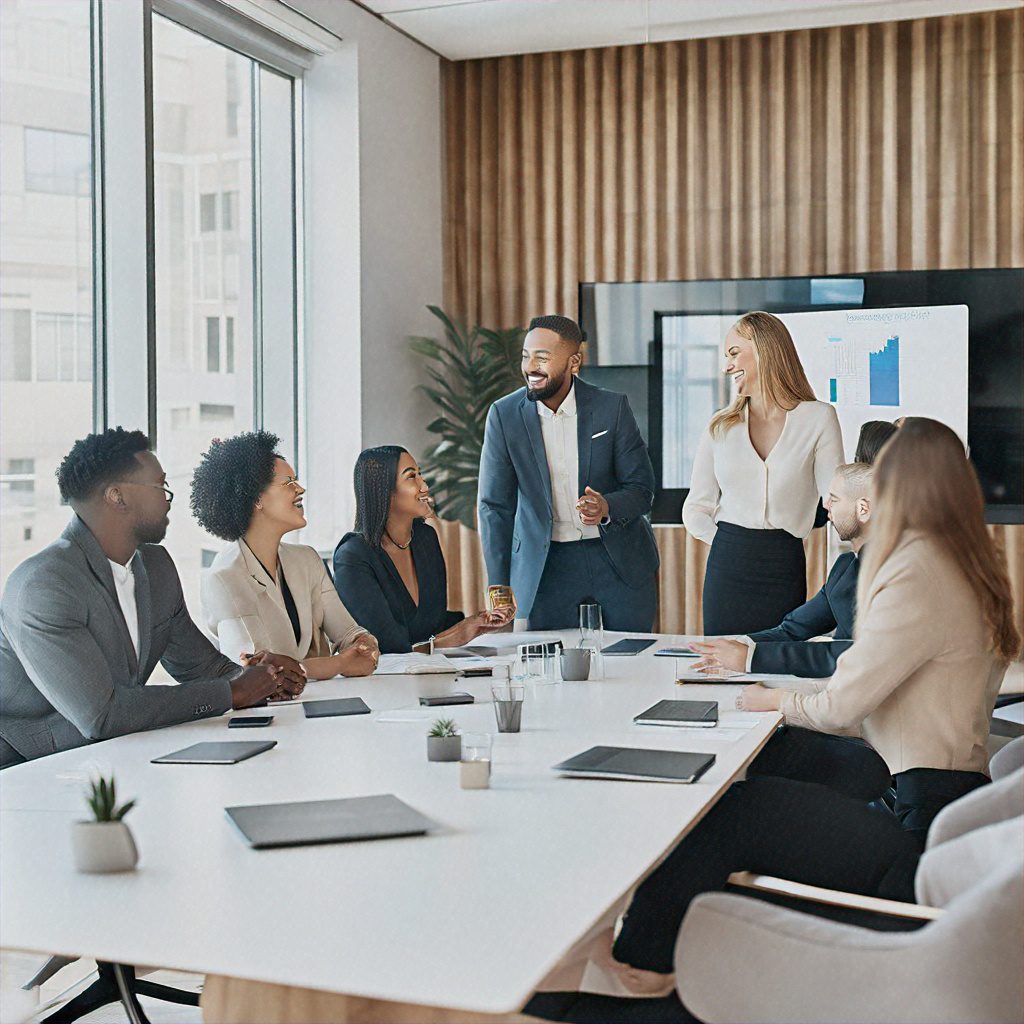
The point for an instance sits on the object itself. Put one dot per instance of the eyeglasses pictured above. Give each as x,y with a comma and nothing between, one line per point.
138,483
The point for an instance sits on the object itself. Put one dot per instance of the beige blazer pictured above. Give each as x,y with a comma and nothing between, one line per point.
921,678
244,608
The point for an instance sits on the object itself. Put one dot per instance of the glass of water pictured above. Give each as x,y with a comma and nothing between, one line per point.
592,636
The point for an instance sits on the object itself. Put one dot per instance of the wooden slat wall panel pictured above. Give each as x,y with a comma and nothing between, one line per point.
893,146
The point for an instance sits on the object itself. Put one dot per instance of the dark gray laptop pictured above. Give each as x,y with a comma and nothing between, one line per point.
334,708
224,752
690,713
637,765
328,821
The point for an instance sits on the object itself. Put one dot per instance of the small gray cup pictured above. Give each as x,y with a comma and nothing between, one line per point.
576,663
508,706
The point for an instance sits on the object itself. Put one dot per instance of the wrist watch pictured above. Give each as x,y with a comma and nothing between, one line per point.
430,643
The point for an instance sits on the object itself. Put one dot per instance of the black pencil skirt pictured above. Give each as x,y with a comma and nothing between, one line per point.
754,579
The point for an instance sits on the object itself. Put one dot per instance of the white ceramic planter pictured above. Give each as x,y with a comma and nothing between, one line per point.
100,847
444,748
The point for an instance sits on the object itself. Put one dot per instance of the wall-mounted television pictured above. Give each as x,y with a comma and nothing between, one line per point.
948,344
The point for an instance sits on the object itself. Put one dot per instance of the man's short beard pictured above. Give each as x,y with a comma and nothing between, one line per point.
850,530
548,391
151,533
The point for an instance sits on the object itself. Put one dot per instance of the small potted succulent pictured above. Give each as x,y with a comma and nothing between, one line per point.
443,742
104,844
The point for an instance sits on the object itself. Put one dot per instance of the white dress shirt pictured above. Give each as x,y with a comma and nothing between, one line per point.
561,445
731,483
124,584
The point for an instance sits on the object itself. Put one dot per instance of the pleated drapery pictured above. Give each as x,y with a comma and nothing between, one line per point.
893,146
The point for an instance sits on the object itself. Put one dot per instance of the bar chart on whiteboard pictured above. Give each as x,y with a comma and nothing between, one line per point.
880,364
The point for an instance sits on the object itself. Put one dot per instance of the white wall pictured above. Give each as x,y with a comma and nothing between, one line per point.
373,248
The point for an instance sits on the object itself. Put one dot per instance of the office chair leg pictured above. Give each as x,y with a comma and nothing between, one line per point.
125,980
116,983
166,993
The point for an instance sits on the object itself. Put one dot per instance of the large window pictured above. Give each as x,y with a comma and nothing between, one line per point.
215,296
179,318
46,262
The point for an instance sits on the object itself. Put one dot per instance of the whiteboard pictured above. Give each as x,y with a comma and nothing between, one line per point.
871,364
880,364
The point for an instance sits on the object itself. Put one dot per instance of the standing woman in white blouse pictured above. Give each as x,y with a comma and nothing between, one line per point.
761,467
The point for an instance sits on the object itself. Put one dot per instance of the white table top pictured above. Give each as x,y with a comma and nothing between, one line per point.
470,917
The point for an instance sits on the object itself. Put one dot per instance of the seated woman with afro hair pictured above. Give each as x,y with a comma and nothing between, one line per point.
260,594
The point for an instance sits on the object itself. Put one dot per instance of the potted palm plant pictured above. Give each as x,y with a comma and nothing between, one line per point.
105,843
469,370
443,741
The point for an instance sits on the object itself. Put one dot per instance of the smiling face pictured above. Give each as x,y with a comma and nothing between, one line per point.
741,362
281,502
547,361
412,495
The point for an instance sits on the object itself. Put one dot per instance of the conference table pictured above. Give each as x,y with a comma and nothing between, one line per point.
472,916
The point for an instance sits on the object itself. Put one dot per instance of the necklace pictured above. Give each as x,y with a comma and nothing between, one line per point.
401,547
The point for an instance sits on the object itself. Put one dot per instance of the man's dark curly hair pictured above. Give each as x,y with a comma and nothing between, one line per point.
229,479
566,329
99,460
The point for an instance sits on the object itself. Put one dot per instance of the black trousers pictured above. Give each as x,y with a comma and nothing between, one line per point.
795,830
851,767
580,572
754,578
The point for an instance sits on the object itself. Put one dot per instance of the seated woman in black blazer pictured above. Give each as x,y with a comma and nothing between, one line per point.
390,571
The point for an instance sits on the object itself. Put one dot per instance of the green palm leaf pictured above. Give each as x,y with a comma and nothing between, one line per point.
467,371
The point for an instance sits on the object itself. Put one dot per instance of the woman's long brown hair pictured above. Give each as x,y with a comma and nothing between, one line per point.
923,481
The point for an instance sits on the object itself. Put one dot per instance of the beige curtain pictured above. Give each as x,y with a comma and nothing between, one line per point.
896,146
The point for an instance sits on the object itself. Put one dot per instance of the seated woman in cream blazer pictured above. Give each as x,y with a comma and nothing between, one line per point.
934,631
260,594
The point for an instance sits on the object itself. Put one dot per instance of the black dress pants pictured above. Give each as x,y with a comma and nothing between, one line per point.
843,763
851,767
773,826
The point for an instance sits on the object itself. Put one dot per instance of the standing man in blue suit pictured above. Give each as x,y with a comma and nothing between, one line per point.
565,485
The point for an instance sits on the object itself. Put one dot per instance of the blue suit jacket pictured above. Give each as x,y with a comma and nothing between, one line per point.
784,649
515,489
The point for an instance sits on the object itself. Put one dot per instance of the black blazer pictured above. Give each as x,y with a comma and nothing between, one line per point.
784,650
372,590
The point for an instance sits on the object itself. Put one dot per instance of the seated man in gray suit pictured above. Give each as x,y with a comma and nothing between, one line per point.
565,484
84,622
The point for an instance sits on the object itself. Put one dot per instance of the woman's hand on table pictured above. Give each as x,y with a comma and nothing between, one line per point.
360,657
720,653
756,697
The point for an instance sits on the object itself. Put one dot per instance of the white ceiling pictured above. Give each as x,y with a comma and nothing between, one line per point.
461,29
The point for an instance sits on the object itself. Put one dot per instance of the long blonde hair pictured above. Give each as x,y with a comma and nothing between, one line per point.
924,482
780,374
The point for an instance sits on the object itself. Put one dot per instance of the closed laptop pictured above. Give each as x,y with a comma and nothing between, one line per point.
345,820
636,764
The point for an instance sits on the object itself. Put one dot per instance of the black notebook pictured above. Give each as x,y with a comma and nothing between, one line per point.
637,765
333,708
690,713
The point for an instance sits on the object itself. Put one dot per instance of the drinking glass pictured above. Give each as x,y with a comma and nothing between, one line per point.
475,763
592,636
508,706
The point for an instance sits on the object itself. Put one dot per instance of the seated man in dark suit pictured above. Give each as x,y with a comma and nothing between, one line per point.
84,622
784,649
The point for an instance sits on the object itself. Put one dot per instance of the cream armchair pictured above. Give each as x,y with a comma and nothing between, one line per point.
743,960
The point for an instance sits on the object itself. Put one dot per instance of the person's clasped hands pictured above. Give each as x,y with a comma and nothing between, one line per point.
290,674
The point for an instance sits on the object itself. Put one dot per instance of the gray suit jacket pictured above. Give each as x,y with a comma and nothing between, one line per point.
68,670
515,489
